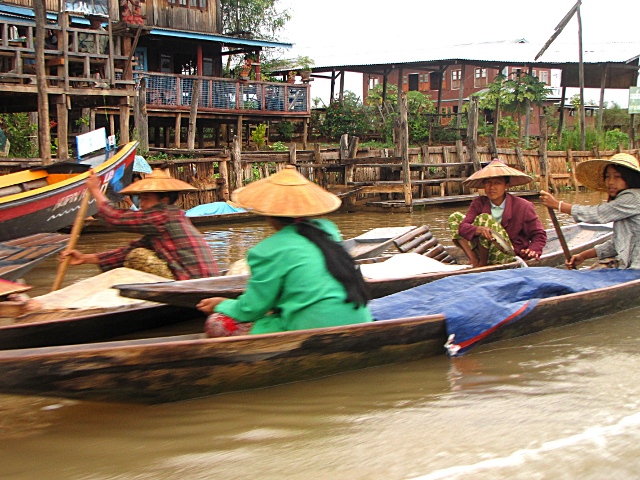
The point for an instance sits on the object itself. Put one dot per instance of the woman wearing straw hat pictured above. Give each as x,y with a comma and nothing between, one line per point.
620,178
301,277
498,215
171,246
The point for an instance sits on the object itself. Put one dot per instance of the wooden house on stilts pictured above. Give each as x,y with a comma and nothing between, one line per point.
136,66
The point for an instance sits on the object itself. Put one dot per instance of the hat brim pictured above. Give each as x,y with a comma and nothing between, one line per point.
286,194
497,169
590,173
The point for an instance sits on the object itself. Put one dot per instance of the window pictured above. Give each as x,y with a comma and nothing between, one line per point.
404,79
455,79
480,77
373,81
544,77
533,73
201,4
413,82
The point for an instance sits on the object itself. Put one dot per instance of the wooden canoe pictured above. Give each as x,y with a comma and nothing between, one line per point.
374,242
188,293
166,369
46,199
87,311
20,255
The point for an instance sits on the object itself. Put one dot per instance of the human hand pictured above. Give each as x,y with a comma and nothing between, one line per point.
93,182
530,254
574,262
484,232
548,200
75,257
208,304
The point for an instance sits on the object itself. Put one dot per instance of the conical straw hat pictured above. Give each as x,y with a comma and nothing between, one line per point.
286,194
591,172
157,181
497,169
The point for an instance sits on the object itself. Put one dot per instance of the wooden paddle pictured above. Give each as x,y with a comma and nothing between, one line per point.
73,240
563,241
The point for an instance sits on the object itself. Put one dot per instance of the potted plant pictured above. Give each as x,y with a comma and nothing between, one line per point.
305,64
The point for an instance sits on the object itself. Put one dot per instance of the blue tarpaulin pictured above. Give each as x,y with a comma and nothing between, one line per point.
140,165
215,208
477,303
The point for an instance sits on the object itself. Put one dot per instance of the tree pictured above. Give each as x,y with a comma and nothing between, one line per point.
261,18
514,95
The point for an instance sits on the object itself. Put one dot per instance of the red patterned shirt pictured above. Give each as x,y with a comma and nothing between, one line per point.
168,232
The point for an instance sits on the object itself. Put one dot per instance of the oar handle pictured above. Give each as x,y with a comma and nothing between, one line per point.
563,241
73,240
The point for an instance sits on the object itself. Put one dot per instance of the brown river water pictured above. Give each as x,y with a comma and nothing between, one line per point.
564,403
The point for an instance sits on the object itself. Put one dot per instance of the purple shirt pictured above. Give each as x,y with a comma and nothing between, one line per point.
519,220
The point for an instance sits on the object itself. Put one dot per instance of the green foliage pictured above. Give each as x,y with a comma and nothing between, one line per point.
507,128
419,113
615,116
20,132
286,130
514,92
262,18
258,135
279,147
607,141
348,117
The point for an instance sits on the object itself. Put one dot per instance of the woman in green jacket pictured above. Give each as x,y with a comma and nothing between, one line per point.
301,277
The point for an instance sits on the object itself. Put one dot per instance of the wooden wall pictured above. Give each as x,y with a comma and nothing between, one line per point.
160,13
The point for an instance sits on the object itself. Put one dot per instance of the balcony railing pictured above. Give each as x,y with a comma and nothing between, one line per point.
168,90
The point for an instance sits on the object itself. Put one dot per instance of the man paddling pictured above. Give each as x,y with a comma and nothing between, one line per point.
171,246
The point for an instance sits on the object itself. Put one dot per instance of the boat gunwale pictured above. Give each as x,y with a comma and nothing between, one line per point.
70,182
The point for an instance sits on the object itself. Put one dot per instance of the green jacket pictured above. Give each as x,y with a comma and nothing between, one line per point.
290,287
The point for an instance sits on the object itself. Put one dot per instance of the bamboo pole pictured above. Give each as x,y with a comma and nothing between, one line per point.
404,149
73,240
44,137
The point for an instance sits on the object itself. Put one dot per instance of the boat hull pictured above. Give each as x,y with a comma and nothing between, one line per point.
188,293
53,207
157,370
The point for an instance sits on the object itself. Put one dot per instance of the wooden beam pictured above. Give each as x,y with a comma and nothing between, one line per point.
193,114
44,137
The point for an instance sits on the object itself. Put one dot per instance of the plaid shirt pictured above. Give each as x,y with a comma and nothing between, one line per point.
167,232
624,212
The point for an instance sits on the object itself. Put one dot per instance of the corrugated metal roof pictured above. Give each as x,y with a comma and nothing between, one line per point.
516,52
211,37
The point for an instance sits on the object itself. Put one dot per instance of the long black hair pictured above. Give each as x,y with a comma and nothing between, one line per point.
339,263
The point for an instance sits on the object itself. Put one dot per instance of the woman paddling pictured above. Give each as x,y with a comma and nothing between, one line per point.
301,277
620,178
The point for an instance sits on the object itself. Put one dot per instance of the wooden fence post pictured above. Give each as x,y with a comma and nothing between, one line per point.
472,133
293,157
223,170
572,167
544,168
236,158
193,114
403,143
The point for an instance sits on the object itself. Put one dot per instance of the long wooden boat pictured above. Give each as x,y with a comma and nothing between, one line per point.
165,369
374,242
46,199
20,255
87,311
188,293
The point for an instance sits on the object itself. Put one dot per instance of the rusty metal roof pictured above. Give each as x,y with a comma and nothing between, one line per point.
513,52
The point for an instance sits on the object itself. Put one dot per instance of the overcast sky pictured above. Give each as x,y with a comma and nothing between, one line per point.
334,31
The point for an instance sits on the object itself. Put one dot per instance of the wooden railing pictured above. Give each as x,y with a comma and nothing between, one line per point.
225,94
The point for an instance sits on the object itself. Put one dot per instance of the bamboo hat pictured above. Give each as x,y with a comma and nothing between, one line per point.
591,172
157,181
497,169
286,194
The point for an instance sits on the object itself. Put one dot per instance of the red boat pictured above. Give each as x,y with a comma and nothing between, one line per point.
46,199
